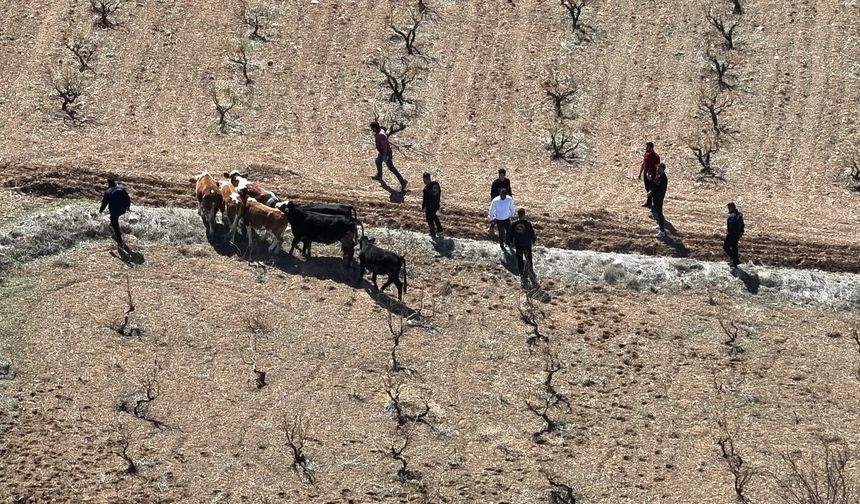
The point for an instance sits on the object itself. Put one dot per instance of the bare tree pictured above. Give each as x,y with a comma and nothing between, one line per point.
574,8
855,335
559,92
251,359
253,17
562,145
704,145
69,87
83,49
742,474
399,407
721,67
123,328
409,32
240,55
853,165
725,28
139,406
821,480
542,409
224,102
295,434
532,316
732,331
714,104
124,441
105,9
552,365
403,473
560,493
396,79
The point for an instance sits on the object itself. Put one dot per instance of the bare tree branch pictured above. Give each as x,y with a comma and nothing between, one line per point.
408,33
104,9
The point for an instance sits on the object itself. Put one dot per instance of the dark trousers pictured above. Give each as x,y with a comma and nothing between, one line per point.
730,247
390,164
657,211
114,224
503,226
649,184
524,263
433,220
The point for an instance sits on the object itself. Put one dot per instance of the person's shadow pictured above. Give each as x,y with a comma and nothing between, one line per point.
751,282
673,240
128,256
443,246
393,196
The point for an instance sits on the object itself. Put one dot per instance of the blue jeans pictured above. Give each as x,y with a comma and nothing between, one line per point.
390,164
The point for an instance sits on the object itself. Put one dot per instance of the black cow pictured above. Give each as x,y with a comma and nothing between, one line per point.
334,209
381,262
309,227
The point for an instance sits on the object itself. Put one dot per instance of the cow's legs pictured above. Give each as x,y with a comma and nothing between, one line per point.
373,277
233,227
293,246
348,248
212,215
360,271
306,248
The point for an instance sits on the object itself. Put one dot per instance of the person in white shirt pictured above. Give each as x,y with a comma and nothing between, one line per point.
502,210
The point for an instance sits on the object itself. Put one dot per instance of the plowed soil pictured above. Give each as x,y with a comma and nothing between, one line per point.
591,230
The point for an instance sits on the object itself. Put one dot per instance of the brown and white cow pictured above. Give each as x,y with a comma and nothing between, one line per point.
232,209
264,218
248,189
209,200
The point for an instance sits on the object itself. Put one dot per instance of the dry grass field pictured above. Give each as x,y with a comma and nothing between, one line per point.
587,392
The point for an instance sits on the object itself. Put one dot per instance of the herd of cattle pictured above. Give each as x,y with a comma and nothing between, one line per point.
250,206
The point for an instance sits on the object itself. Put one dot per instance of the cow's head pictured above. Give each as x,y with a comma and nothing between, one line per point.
364,242
283,206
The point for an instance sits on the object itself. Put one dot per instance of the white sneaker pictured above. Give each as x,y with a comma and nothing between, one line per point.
660,234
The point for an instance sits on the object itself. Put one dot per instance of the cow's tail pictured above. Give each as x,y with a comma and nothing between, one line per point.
403,267
357,223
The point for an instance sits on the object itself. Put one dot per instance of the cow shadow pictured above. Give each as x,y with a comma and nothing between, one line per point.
394,196
385,301
751,282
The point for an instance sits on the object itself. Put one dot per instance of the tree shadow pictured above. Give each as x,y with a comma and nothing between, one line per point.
125,254
393,196
751,282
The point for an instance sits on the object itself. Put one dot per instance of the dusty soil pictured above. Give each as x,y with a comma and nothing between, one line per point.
648,378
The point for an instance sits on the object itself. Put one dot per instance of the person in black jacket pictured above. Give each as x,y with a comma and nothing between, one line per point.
523,237
430,203
658,194
734,231
500,183
117,201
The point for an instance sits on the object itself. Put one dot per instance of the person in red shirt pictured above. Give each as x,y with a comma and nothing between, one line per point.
383,147
650,162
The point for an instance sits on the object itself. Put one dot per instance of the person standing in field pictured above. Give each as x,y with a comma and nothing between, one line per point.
430,203
117,201
734,231
502,182
384,155
502,211
658,194
523,237
650,161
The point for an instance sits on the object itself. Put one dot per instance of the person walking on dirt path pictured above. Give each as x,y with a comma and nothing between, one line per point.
430,203
502,211
117,202
650,161
734,231
502,182
383,148
658,194
523,237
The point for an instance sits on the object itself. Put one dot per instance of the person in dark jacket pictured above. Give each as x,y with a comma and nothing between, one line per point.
430,203
385,154
658,194
734,231
523,237
650,161
117,202
503,182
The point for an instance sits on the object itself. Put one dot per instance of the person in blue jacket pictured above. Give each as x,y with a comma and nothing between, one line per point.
734,231
117,201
